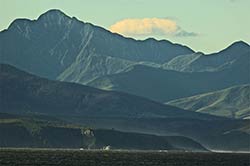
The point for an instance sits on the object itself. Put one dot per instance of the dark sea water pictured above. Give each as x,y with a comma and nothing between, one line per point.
33,157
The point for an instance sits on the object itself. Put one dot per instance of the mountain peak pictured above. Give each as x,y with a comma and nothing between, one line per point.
239,43
55,12
51,16
54,15
238,46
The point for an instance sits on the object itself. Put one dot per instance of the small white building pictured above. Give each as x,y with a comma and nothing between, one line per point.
106,147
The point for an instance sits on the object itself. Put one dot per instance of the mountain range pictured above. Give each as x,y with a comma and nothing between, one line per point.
57,46
165,85
79,75
25,93
199,62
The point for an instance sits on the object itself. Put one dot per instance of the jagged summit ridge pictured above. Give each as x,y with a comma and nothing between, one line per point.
56,43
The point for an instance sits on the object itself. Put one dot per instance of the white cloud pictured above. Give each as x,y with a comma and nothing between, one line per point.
149,27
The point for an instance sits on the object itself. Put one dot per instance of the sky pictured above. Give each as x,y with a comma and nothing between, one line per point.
203,25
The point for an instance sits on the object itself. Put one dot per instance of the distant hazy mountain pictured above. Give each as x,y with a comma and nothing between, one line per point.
232,102
165,85
46,132
199,62
57,46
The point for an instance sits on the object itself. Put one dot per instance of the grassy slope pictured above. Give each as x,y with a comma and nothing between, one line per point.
232,102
